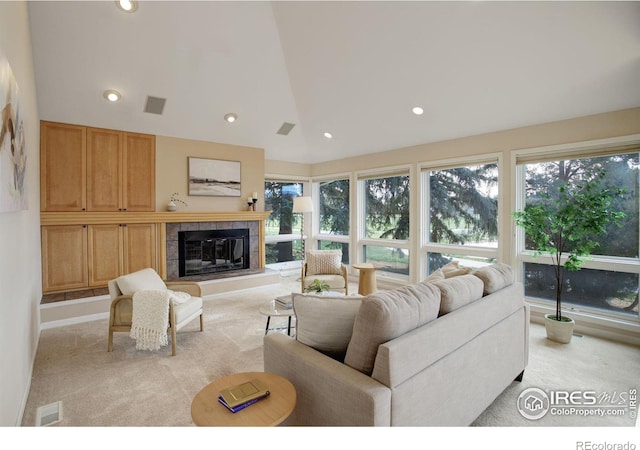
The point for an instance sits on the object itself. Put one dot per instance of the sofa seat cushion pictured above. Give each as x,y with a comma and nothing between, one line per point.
495,277
458,291
325,322
386,315
142,280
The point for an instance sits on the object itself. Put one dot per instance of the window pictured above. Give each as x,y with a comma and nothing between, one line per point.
282,227
608,282
334,216
386,223
462,214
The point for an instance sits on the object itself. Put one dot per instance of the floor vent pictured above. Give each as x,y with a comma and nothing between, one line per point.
49,414
154,105
286,128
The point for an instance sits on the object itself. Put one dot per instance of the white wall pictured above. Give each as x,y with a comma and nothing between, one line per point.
20,274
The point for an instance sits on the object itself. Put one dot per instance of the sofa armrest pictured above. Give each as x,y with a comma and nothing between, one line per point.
190,287
328,392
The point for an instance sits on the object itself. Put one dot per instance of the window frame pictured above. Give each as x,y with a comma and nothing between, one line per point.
577,150
425,245
362,240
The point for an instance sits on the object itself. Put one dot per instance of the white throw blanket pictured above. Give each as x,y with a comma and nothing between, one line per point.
150,319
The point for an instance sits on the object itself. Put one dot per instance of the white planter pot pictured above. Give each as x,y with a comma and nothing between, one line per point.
559,331
171,206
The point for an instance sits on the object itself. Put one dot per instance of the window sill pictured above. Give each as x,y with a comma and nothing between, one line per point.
615,329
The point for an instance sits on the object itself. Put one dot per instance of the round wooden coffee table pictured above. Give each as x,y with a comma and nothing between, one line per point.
270,411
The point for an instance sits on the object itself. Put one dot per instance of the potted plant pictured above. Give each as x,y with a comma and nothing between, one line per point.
563,225
317,286
171,206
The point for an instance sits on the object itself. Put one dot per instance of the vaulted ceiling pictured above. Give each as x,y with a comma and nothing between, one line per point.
354,69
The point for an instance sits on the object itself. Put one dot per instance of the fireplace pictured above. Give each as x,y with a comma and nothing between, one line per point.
212,251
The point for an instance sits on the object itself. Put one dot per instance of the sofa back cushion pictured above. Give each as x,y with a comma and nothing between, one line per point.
495,277
458,291
324,322
386,315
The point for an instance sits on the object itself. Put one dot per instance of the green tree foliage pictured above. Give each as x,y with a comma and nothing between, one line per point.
278,198
566,218
387,207
459,200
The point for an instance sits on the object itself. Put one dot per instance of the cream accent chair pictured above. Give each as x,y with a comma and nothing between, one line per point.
325,265
122,289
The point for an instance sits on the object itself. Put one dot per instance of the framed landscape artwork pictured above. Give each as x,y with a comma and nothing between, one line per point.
214,177
13,154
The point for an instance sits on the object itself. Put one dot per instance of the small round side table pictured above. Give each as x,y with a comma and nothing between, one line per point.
367,279
270,411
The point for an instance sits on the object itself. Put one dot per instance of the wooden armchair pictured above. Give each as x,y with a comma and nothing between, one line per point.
122,289
325,265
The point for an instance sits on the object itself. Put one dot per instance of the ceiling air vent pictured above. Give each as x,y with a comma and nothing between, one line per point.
154,105
286,128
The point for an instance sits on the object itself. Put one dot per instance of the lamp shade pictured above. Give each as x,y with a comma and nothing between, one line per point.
302,204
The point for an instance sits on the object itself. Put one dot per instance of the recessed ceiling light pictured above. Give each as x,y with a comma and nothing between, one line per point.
417,110
127,5
230,117
328,135
112,95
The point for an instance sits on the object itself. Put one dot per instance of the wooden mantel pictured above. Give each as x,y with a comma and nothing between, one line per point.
88,218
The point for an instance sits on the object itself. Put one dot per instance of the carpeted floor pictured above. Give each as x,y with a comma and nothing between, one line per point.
129,388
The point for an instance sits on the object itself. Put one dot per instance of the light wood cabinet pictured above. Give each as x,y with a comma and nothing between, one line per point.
139,172
64,257
104,170
86,170
95,169
62,167
84,256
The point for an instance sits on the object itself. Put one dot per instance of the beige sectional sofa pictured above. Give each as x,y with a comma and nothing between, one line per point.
436,353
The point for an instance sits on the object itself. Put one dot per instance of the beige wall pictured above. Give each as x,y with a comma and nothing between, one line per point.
20,280
283,168
172,173
599,126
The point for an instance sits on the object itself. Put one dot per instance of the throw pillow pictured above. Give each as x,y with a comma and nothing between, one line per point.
142,280
324,262
436,275
325,322
386,315
459,291
453,269
495,277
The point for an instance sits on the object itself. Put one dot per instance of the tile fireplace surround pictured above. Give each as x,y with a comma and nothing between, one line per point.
172,245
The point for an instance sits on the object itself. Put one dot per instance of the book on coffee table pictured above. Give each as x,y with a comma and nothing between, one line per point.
286,301
243,394
235,409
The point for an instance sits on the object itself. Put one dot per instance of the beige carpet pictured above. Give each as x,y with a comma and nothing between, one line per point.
140,388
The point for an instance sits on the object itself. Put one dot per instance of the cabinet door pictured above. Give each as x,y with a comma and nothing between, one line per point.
104,173
139,172
140,246
64,257
62,167
105,253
